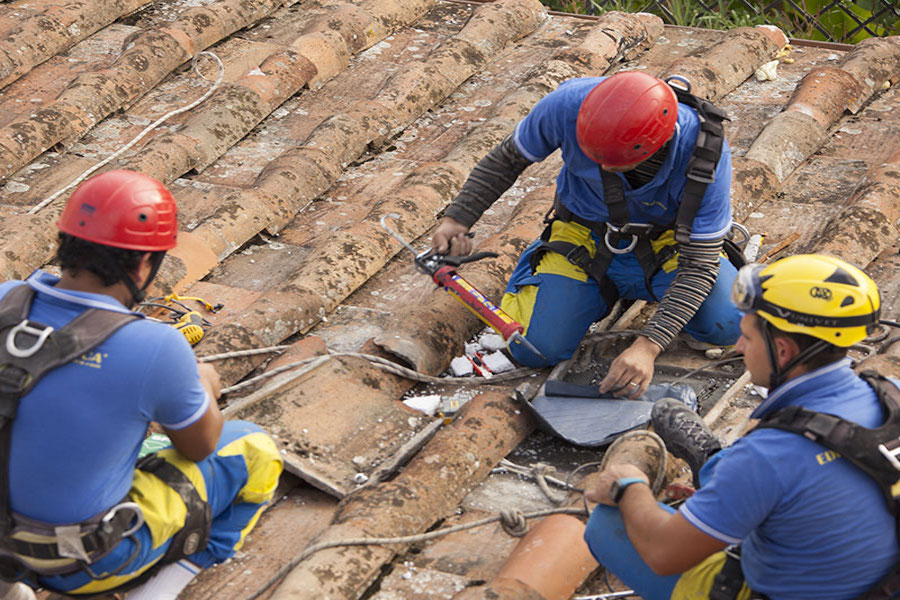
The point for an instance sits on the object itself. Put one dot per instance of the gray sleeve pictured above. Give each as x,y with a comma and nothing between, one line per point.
698,267
493,175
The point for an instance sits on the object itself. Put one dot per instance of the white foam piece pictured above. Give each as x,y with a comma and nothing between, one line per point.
461,366
497,362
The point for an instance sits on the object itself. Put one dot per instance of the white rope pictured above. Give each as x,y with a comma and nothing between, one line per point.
146,130
240,353
377,361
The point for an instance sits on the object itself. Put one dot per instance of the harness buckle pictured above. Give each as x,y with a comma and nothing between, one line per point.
578,256
610,228
641,229
891,453
13,379
38,330
701,171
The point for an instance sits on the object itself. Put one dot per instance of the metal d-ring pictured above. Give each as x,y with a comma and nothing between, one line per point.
133,507
625,250
26,326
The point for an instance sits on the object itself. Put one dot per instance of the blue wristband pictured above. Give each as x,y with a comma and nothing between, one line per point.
617,489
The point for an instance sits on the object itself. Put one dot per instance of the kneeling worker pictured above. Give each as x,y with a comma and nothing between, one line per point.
82,378
642,211
810,523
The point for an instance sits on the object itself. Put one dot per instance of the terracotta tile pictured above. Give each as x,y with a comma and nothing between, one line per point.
787,141
552,558
745,49
825,94
196,256
427,489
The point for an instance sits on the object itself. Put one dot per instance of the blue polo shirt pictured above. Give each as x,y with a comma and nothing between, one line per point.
551,125
77,434
810,524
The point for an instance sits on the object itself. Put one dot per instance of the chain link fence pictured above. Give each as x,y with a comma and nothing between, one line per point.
825,20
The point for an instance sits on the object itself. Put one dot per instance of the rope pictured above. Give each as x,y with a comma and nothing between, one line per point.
379,362
515,517
146,130
656,484
511,467
540,476
240,353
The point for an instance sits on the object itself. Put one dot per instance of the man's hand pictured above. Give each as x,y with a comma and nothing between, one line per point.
450,238
632,371
600,492
210,380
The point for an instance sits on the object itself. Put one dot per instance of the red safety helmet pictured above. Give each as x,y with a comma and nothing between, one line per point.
626,118
123,209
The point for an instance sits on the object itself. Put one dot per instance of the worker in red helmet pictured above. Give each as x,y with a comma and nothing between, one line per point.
83,377
642,210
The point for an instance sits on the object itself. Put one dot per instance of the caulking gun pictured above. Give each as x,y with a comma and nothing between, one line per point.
442,269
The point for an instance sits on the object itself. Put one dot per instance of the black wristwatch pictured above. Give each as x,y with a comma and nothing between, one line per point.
617,489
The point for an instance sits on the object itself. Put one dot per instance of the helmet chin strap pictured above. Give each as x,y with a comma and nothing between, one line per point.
137,294
778,373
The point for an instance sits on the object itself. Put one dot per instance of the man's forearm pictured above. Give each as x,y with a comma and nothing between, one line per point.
644,520
493,175
698,267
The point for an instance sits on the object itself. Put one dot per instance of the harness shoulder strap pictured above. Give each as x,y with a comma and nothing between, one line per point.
701,169
875,451
28,351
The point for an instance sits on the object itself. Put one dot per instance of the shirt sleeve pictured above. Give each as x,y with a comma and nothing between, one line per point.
541,132
173,395
742,490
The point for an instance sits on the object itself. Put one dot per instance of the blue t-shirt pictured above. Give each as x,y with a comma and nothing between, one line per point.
77,434
810,523
551,125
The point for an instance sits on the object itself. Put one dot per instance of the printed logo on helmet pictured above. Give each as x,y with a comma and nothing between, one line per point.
822,293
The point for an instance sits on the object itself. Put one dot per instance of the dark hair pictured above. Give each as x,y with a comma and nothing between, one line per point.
75,254
830,354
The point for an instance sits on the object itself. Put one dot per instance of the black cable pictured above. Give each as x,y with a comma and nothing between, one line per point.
889,323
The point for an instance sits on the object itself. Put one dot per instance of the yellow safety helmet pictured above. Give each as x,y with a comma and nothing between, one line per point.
817,295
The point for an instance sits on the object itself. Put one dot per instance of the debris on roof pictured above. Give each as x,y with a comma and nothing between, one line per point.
331,115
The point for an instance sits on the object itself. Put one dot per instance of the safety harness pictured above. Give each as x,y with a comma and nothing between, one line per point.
700,173
29,548
875,451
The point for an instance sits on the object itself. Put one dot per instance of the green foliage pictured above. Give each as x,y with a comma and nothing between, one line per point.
831,20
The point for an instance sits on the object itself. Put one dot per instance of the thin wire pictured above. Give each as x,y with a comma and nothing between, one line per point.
140,136
408,539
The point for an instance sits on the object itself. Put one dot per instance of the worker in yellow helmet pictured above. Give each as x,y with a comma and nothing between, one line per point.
777,514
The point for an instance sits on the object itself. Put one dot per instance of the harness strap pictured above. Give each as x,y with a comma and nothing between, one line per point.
194,536
100,540
701,169
875,451
614,196
28,351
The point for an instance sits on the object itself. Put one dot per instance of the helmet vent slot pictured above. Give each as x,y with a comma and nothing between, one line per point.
842,276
